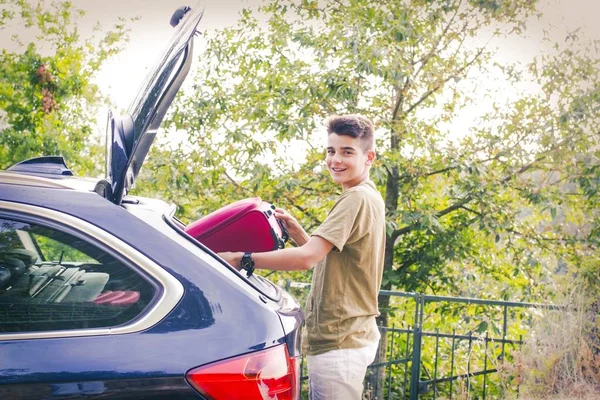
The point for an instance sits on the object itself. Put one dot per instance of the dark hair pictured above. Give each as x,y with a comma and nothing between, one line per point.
353,125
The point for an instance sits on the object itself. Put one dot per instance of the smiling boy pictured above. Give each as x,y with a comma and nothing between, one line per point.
347,252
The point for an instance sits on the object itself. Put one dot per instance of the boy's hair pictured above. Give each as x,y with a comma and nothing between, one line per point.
353,125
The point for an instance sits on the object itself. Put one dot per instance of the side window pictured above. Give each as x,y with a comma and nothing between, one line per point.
52,280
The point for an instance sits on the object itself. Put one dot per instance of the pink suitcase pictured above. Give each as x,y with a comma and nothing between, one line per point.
246,225
118,297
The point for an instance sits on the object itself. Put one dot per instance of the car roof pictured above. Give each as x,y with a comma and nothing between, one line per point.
54,182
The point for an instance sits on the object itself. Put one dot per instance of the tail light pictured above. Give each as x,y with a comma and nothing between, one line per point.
266,374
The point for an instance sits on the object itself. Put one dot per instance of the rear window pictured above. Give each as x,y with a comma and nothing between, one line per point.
51,279
262,284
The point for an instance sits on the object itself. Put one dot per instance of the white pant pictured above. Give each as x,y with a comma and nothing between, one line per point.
339,374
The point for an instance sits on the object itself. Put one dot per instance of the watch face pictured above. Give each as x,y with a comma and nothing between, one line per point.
247,262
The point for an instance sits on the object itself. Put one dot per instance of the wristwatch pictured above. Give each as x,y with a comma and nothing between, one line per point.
247,263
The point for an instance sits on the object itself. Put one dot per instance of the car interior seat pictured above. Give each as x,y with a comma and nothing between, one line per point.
14,263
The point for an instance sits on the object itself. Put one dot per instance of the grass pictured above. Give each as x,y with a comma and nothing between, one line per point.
561,357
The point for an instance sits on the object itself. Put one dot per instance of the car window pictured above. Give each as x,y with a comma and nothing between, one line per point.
54,251
53,280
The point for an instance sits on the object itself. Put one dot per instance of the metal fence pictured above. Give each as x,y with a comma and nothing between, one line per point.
427,357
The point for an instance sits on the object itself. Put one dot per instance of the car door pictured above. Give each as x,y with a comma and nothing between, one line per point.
72,302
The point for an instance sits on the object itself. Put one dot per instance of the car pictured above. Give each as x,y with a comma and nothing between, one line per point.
103,294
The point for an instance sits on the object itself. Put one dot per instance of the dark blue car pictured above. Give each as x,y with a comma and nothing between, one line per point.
103,295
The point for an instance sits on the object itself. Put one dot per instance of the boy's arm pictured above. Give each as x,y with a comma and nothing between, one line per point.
291,259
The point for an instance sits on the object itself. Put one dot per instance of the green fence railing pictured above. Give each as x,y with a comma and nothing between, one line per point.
431,356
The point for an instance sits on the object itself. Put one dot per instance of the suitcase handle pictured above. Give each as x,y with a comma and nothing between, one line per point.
285,236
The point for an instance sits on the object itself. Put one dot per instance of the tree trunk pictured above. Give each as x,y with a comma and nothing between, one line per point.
375,380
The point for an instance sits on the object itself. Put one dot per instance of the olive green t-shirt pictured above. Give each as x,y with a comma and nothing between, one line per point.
342,303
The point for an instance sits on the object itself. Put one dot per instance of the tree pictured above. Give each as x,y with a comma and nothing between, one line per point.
259,97
487,214
47,94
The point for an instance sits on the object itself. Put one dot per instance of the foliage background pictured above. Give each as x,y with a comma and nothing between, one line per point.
492,211
48,99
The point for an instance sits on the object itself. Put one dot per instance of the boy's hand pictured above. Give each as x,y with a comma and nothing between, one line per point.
234,259
297,233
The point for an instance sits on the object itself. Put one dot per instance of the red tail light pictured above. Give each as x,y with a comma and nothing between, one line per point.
266,374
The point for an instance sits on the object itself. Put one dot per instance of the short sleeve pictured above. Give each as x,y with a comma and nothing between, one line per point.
346,222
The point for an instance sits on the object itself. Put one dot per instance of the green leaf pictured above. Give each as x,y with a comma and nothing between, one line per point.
482,327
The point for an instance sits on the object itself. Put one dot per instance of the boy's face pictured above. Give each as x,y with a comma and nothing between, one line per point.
346,160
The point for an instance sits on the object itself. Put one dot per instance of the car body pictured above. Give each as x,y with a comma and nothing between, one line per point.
103,294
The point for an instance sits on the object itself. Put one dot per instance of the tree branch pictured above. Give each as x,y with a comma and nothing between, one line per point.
399,232
237,185
460,204
314,219
444,81
434,50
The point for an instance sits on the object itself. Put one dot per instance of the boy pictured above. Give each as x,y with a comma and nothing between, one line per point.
347,250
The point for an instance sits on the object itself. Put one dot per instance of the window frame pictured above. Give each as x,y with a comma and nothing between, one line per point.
168,290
